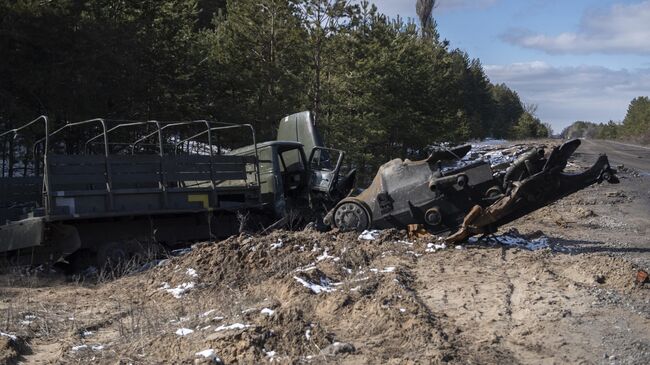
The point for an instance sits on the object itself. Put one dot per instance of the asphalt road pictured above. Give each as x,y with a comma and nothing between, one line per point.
629,155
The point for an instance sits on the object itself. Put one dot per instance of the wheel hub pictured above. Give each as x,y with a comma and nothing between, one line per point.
351,216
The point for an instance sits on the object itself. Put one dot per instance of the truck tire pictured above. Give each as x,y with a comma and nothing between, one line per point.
350,215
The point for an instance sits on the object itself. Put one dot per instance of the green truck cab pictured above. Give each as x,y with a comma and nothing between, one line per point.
297,173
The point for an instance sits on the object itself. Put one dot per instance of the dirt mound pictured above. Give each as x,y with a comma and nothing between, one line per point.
309,297
307,294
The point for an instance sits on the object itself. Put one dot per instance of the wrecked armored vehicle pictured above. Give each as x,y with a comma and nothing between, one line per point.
446,193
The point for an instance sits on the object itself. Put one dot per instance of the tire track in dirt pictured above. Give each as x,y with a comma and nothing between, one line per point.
515,306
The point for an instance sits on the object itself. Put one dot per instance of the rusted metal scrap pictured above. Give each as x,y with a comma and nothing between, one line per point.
641,277
447,194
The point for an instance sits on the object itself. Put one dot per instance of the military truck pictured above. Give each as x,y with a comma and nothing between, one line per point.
127,187
299,176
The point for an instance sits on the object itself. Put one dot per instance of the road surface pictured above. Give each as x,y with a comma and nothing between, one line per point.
629,155
626,204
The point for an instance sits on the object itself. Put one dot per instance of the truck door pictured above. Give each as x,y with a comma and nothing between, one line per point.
293,173
324,166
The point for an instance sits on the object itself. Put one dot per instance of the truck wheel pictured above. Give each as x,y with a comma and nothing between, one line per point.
351,216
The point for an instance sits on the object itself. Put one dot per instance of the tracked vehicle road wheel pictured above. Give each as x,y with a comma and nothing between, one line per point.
351,216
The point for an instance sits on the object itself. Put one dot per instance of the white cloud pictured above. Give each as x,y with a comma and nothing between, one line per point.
623,28
464,4
567,94
407,8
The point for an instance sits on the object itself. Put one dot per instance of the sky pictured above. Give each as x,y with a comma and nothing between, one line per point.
575,60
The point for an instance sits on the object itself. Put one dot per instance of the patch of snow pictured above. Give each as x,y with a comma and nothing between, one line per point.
414,253
191,273
308,334
389,269
369,235
268,311
459,247
514,240
178,291
30,316
205,314
349,271
278,244
324,256
270,353
355,288
432,247
306,269
184,331
97,347
532,245
374,270
12,337
86,333
208,354
25,323
80,347
218,318
325,285
405,242
402,310
235,326
181,251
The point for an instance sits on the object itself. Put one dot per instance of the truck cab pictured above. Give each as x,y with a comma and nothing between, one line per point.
296,172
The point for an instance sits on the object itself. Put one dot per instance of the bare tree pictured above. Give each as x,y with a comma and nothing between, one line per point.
424,9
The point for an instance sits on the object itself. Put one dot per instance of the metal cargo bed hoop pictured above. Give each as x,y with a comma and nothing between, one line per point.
159,128
46,139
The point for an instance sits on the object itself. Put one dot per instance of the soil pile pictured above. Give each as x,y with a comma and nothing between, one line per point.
309,297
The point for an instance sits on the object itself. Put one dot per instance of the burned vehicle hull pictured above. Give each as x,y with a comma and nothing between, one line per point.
439,193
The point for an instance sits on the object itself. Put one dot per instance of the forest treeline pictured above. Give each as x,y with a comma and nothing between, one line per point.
380,87
635,127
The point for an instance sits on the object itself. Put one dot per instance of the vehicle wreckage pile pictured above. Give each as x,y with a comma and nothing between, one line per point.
447,193
135,184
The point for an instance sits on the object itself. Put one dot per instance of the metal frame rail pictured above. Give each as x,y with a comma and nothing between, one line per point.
211,128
